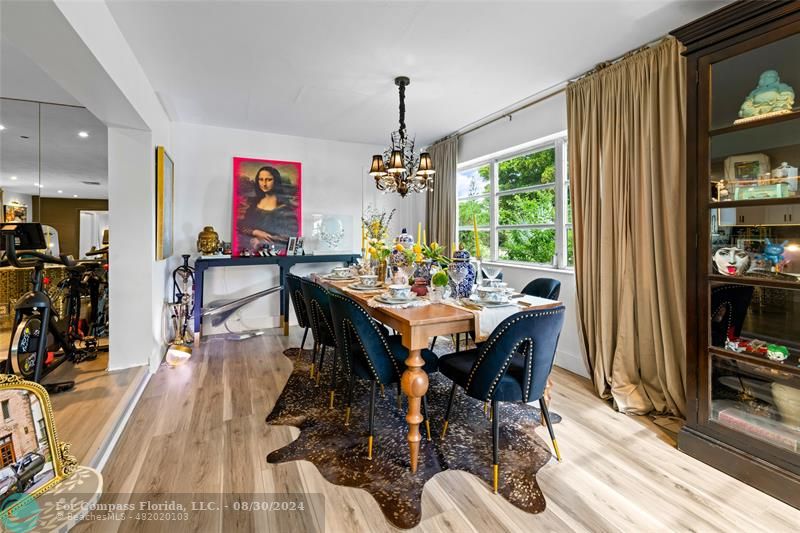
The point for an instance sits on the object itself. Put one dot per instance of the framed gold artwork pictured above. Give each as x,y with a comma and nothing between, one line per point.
165,204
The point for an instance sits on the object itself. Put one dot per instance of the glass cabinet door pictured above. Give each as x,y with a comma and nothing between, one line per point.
753,261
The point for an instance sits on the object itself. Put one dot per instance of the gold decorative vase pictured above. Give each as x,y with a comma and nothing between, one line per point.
208,241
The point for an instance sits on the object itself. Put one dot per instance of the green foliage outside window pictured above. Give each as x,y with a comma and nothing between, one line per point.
532,207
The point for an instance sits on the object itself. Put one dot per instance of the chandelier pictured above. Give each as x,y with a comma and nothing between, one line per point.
400,169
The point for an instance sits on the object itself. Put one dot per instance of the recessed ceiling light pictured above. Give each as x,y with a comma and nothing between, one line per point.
74,195
60,191
2,127
41,186
83,134
13,178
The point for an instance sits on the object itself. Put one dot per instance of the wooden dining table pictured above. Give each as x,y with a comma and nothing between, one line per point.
416,325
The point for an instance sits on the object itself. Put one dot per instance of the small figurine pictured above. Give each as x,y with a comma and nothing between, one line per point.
731,261
771,96
298,249
776,352
208,241
734,345
773,252
723,194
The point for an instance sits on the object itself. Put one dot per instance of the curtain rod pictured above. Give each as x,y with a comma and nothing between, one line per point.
549,92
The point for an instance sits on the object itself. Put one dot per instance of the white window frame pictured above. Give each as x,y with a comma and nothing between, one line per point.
560,224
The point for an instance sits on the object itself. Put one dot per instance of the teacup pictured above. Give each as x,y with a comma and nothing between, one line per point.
341,272
492,294
400,292
494,283
368,280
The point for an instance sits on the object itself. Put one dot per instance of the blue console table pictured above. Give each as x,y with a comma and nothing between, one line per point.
284,263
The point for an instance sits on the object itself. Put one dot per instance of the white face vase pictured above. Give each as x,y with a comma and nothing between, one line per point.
731,261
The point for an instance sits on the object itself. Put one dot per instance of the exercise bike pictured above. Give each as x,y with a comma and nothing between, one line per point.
39,344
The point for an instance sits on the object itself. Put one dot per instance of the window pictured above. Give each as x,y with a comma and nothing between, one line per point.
6,413
521,206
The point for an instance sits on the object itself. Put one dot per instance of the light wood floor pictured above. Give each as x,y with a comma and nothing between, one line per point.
200,428
87,415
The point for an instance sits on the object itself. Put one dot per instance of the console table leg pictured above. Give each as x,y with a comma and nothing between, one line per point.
415,385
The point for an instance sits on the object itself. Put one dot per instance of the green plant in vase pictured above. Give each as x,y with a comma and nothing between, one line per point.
439,281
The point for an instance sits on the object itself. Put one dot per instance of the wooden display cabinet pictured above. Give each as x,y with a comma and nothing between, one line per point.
743,409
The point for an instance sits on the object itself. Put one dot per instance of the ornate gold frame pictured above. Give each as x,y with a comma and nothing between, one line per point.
64,464
162,181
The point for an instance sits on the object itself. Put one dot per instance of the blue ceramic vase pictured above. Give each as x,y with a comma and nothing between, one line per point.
461,262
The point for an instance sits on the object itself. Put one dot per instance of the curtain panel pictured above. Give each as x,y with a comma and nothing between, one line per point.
440,214
627,134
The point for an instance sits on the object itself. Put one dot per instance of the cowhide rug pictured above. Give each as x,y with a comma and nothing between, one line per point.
340,452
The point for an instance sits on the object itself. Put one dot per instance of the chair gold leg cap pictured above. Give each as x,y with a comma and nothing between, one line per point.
558,453
428,428
331,402
311,374
369,448
444,429
495,477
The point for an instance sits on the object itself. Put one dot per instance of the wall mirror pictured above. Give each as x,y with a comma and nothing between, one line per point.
32,460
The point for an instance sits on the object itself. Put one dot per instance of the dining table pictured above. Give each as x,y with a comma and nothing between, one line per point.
417,325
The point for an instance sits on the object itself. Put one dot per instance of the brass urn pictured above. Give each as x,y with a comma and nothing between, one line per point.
208,241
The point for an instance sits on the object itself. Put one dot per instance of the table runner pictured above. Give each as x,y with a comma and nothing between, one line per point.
488,318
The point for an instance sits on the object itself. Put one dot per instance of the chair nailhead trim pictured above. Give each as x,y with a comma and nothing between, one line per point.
496,335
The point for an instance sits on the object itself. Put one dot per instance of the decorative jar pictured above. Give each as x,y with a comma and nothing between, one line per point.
462,274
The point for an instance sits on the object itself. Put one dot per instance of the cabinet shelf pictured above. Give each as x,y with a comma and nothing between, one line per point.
756,281
755,123
789,366
774,202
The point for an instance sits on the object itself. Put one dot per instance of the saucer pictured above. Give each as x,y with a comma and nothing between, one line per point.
360,287
485,303
386,299
334,277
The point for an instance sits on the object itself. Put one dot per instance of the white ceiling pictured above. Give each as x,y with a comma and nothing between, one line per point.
326,69
67,160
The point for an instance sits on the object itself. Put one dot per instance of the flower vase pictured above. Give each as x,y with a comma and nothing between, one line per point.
423,271
380,271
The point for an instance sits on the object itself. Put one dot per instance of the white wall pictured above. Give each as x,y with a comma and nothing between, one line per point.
334,182
540,120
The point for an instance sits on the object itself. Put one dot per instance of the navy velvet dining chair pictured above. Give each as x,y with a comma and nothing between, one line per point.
729,305
299,304
319,311
371,354
511,366
543,288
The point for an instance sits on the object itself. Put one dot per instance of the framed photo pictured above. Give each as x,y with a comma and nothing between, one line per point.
748,167
15,213
266,204
165,190
292,246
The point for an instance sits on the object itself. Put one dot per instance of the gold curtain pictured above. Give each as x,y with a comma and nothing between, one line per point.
627,156
440,213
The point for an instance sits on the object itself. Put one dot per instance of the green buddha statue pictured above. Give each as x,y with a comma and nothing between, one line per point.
769,97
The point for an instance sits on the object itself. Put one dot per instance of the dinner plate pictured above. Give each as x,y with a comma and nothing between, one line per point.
360,287
474,299
386,299
333,277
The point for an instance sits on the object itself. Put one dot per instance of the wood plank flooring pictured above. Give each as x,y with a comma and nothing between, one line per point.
200,428
88,414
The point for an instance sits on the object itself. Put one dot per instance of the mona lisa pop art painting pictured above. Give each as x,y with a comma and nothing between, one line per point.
266,205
